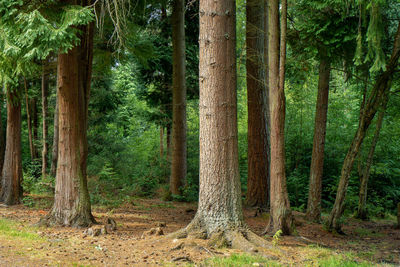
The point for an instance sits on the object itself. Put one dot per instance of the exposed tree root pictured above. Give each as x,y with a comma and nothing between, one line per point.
240,238
77,221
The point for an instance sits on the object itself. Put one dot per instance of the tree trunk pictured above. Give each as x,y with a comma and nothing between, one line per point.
178,163
161,143
71,202
219,214
54,151
35,125
45,88
257,134
379,92
398,215
317,159
29,120
11,190
2,135
280,218
168,141
362,199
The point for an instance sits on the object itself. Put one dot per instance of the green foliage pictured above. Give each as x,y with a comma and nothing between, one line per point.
31,33
276,238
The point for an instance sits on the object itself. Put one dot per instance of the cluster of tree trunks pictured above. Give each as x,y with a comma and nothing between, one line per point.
378,94
362,212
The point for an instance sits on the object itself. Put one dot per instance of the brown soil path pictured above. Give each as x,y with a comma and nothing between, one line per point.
372,241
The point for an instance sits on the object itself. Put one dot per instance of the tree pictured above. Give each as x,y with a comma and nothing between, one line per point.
257,134
362,197
317,159
219,215
280,215
178,163
28,106
54,150
2,135
11,177
378,93
71,201
45,88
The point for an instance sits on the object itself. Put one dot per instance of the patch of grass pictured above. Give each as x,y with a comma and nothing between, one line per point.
164,205
340,261
10,228
239,260
367,233
324,257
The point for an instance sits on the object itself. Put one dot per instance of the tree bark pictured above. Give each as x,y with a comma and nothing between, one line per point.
45,88
257,134
2,135
280,215
179,162
71,202
317,159
398,215
29,120
362,199
35,125
54,152
11,190
220,208
379,92
168,142
161,143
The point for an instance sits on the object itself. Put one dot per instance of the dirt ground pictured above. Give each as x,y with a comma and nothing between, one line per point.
376,242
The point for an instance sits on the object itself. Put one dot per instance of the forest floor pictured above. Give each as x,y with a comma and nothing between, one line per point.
21,244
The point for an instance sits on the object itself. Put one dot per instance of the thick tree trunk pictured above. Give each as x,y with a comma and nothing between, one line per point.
71,202
29,120
317,159
220,206
11,190
257,134
280,218
54,151
219,214
45,88
178,163
379,92
398,215
362,199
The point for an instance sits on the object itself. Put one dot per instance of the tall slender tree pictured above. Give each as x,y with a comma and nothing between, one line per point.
281,215
257,134
317,159
179,162
11,176
54,149
45,88
362,212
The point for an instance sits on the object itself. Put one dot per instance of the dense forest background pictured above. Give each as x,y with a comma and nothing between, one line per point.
130,112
